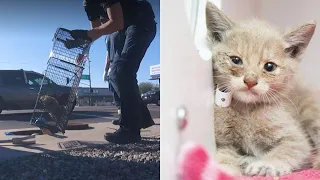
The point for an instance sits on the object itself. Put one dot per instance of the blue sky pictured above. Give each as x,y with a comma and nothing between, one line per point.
27,29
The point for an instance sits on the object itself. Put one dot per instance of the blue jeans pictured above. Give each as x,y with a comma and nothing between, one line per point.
130,48
116,98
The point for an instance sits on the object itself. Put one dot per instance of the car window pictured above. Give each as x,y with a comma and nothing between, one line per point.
36,80
12,78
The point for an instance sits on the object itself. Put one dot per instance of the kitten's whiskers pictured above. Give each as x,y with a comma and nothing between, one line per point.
275,98
275,91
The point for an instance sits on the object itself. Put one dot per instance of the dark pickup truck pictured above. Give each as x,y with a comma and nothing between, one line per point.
19,89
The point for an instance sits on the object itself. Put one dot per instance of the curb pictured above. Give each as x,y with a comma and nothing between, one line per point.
77,126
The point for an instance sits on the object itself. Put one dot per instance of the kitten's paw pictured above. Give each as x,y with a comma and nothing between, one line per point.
263,168
245,161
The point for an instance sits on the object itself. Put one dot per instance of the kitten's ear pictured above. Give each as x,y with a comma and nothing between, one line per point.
217,23
299,38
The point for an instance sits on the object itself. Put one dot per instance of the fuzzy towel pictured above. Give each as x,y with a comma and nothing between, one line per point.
195,164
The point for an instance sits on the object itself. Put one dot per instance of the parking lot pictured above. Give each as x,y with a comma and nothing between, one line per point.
83,114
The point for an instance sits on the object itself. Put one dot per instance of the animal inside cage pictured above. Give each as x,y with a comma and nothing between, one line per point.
58,90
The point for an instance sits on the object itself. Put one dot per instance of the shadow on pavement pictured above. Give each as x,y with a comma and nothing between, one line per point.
39,132
8,153
74,116
94,113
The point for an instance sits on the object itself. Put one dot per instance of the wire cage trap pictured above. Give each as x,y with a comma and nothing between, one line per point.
57,94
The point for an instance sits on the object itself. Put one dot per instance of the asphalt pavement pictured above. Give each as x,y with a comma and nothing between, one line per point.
83,114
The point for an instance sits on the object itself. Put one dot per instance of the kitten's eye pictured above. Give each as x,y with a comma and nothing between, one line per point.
236,60
269,67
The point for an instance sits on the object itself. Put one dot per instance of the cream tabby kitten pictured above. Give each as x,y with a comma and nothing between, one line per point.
273,122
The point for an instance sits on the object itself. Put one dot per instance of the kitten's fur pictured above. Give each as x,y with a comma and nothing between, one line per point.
265,132
52,106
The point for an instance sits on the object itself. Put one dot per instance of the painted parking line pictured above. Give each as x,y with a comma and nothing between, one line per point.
94,116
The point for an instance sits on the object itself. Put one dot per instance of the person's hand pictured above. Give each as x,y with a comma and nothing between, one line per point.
80,34
80,37
105,76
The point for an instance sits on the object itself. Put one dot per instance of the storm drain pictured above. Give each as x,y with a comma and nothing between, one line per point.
70,144
80,144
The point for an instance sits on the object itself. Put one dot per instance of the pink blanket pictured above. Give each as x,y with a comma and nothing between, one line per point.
195,164
309,174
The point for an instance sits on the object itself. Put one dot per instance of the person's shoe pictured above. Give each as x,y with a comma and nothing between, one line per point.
123,136
145,125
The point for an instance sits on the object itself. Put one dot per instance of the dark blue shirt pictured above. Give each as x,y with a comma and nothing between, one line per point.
134,11
96,9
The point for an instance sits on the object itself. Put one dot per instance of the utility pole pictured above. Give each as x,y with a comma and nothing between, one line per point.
89,85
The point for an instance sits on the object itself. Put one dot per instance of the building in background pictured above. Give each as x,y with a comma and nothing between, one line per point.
99,96
155,72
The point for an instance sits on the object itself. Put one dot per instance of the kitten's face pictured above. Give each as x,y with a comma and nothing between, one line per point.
252,59
252,63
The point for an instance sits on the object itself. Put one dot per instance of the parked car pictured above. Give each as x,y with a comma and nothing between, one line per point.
19,89
151,97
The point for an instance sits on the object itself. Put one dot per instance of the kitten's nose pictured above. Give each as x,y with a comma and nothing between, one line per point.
250,79
250,82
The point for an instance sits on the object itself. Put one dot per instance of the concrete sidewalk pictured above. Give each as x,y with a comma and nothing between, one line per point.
45,143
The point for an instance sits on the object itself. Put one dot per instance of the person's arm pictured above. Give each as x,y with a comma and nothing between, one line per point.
98,22
114,23
107,66
106,69
94,12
